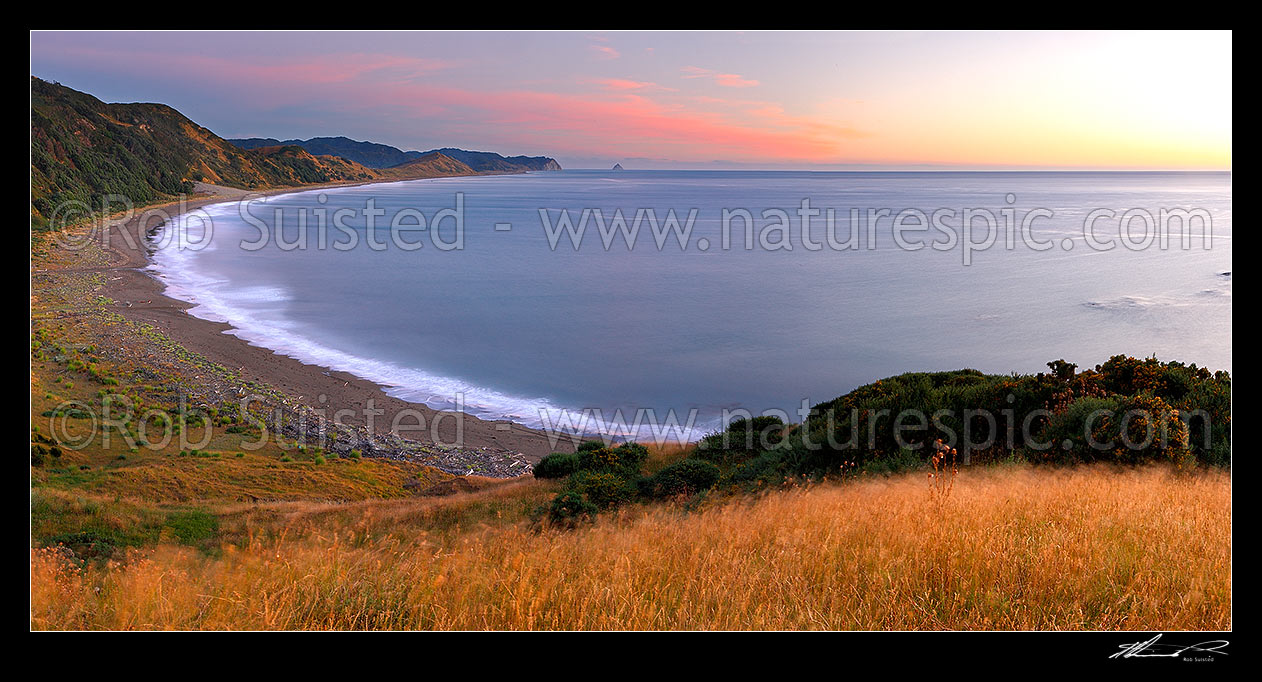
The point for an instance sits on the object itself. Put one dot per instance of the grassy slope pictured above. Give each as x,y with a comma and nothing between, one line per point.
65,367
1014,547
431,165
123,495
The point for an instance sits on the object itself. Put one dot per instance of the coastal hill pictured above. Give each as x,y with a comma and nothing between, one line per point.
374,155
83,149
431,165
491,162
369,154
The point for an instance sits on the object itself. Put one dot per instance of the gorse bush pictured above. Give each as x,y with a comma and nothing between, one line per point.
625,460
897,463
743,438
685,477
600,477
1077,426
765,468
1146,428
556,465
1127,430
569,508
1125,410
605,489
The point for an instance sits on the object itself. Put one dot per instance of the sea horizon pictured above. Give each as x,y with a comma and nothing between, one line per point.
530,388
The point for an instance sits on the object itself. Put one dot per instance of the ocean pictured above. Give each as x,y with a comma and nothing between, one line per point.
724,300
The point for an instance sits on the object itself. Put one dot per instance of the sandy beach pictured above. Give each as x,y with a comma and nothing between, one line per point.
138,296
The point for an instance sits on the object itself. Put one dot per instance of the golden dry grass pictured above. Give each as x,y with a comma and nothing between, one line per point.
1010,548
665,453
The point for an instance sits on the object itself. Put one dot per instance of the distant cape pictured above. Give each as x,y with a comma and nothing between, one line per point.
375,155
618,166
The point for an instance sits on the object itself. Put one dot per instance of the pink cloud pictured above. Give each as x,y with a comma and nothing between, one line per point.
620,117
633,124
731,80
727,80
623,84
606,52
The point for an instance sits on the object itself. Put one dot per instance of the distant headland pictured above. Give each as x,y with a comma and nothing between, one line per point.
375,155
83,149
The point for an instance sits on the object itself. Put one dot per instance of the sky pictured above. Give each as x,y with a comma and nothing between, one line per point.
775,100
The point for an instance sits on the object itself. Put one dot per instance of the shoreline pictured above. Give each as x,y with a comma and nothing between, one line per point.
139,296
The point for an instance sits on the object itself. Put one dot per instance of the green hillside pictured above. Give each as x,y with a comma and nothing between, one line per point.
83,149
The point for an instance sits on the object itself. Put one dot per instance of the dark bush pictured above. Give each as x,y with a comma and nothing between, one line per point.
605,489
897,463
861,427
765,468
569,508
743,438
600,476
685,477
556,465
1145,428
1070,433
1128,430
624,460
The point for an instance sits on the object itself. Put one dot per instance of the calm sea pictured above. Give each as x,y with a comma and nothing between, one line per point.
497,310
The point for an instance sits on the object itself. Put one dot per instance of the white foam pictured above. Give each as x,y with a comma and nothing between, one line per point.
256,315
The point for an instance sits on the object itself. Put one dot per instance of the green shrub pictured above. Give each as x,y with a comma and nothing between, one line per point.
1147,428
569,508
605,489
556,465
769,467
1219,455
743,438
1069,433
72,412
685,477
624,460
897,463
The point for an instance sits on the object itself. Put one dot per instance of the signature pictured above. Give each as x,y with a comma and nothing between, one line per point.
1151,649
